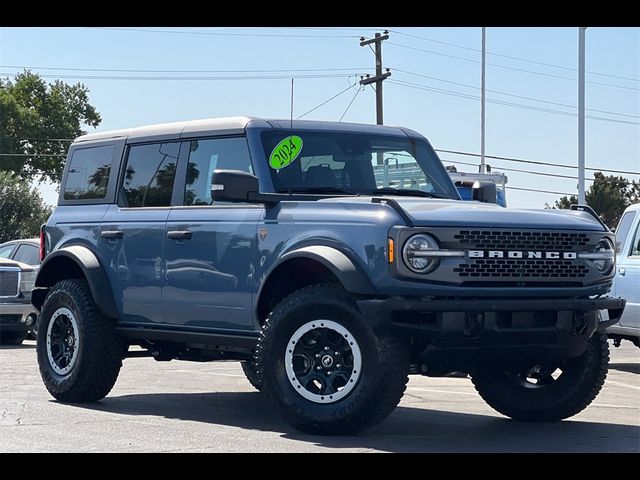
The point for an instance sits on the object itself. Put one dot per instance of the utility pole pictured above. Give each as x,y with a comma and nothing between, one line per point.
483,168
380,77
581,74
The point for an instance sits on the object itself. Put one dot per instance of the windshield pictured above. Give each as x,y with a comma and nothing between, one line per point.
354,163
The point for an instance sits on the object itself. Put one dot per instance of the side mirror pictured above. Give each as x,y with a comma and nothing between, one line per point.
233,186
485,192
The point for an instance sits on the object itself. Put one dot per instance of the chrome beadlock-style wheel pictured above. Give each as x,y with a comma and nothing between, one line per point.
62,341
323,361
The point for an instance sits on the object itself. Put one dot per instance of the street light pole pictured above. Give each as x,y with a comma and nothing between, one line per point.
482,102
581,81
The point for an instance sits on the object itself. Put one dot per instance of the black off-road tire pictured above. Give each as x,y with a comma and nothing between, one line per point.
12,338
99,349
384,370
580,382
249,368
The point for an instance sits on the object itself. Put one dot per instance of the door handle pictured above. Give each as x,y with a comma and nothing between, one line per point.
622,272
179,234
111,234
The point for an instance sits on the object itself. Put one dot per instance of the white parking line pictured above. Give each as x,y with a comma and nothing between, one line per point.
620,384
441,391
607,405
210,373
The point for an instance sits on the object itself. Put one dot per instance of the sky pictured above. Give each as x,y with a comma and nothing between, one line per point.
434,86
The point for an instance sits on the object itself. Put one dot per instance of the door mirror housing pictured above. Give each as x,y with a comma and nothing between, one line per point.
485,192
233,186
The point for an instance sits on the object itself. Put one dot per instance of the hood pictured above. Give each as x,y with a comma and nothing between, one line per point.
12,263
448,213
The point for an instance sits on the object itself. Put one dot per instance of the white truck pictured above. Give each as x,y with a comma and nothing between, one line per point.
466,182
626,283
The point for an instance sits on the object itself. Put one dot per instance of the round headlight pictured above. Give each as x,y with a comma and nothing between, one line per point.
416,253
606,248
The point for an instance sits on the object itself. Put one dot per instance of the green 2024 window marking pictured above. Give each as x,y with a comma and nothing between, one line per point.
285,152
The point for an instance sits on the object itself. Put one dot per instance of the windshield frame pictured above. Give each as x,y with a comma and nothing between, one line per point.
265,173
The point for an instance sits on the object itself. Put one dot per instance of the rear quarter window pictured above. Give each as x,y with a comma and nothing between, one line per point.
89,173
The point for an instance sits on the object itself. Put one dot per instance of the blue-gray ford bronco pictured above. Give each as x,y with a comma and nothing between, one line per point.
332,259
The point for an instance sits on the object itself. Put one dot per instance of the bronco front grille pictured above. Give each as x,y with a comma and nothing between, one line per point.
9,282
516,240
521,268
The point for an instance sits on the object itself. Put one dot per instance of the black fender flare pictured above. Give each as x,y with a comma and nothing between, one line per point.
90,266
352,278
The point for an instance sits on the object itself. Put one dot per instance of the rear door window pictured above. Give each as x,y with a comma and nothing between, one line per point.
149,174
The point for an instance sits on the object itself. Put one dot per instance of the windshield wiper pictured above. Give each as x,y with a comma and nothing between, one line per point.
319,190
405,192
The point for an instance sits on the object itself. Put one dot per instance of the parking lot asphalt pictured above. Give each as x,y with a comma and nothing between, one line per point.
194,407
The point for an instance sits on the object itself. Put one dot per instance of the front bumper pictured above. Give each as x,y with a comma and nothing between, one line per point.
13,316
459,333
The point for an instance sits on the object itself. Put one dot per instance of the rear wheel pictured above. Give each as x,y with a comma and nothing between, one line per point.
547,392
324,368
79,352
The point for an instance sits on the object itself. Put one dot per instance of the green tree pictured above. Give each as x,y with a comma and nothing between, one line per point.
33,111
22,209
608,195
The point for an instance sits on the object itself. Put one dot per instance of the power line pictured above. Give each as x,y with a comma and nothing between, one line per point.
221,34
343,29
535,162
326,101
539,191
32,155
351,103
135,70
528,60
519,171
533,72
554,175
38,139
510,94
248,77
502,102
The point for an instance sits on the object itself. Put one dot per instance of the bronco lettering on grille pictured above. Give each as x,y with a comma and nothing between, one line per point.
528,254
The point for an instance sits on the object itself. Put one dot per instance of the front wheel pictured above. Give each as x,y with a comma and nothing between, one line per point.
324,368
549,392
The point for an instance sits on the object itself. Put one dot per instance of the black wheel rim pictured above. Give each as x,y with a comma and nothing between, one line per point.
323,361
62,341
